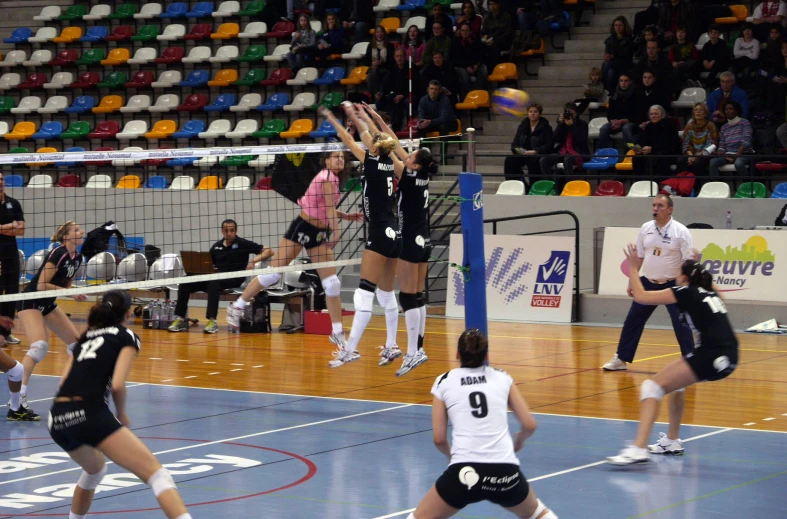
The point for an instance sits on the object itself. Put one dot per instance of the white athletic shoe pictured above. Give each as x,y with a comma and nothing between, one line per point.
343,356
666,446
411,362
615,364
234,315
629,456
339,340
388,355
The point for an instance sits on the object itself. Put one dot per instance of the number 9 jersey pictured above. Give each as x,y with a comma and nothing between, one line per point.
477,404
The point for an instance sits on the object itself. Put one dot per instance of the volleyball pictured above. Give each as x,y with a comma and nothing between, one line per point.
511,102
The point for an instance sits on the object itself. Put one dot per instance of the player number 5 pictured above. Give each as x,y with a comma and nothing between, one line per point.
390,186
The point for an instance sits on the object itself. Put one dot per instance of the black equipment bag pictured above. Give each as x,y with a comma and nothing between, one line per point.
293,172
97,240
257,318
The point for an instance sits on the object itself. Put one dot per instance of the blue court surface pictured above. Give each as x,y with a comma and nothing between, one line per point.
262,455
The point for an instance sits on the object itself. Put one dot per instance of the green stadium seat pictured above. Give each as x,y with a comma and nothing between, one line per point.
271,129
252,78
147,33
114,80
91,57
6,103
253,8
353,184
751,190
237,161
77,130
254,53
75,12
543,188
124,12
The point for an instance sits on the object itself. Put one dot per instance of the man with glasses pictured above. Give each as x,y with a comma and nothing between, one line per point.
12,224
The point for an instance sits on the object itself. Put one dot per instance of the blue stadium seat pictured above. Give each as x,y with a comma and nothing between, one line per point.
201,10
49,130
331,76
157,182
275,102
190,130
95,34
176,10
605,158
325,131
197,78
780,191
71,163
412,5
81,105
19,35
222,103
14,181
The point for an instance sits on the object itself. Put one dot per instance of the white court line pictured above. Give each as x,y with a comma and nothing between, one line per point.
767,419
581,467
226,440
51,397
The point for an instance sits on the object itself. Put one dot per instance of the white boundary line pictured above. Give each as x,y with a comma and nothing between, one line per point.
225,440
560,473
135,384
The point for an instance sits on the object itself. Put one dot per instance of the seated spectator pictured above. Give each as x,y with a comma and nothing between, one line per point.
496,33
777,78
659,137
677,13
618,52
715,56
746,54
534,17
379,55
297,4
393,97
439,42
331,39
684,58
650,93
650,16
771,55
414,45
443,73
651,33
230,254
439,16
533,138
622,113
735,143
657,63
470,16
700,133
468,63
767,13
303,46
569,145
436,112
727,92
358,16
593,91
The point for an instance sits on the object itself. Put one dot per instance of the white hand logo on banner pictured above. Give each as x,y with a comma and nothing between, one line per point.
558,266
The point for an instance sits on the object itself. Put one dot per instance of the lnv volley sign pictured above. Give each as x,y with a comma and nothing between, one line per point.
528,278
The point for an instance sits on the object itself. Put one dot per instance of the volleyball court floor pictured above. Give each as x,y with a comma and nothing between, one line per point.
263,455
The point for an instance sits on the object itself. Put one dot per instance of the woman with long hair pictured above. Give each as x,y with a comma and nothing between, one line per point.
715,355
36,315
483,464
82,423
414,45
380,58
698,136
316,229
303,45
618,52
383,240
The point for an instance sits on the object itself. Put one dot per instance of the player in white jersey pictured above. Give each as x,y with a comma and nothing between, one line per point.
483,465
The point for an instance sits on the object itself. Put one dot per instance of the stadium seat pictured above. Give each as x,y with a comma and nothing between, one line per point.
172,32
190,130
543,188
325,131
34,81
171,55
418,21
511,187
165,103
216,129
357,76
386,5
141,79
91,57
714,190
156,182
48,13
201,31
270,129
594,127
301,102
156,163
6,104
275,102
76,130
211,183
196,78
116,57
610,188
353,184
147,33
208,161
162,130
129,182
124,12
3,127
281,29
643,189
576,188
253,8
18,149
49,130
81,105
136,104
182,183
751,190
9,80
98,12
70,163
121,33
331,101
253,30
243,129
22,131
222,103
226,31
13,59
332,76
27,105
689,97
263,184
239,183
59,81
105,130
68,35
503,72
253,77
133,130
123,163
780,191
299,128
198,55
254,54
64,58
74,12
225,54
69,181
143,56
175,10
168,79
200,10
236,161
603,159
739,15
16,181
109,104
279,53
41,164
193,103
227,9
39,58
103,162
390,24
357,52
224,78
628,162
149,10
20,35
99,182
40,181
247,102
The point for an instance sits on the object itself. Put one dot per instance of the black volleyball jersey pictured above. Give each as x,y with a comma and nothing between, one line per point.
94,363
704,311
66,268
413,200
378,190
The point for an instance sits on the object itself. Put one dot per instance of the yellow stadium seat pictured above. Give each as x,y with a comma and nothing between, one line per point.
739,15
117,57
226,31
129,182
357,76
212,182
298,129
162,129
474,100
389,24
69,35
577,188
108,105
23,130
458,131
224,77
628,162
41,164
504,72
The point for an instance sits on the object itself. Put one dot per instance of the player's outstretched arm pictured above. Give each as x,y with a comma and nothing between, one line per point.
342,133
379,121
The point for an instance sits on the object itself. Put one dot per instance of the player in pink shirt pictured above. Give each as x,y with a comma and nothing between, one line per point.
316,229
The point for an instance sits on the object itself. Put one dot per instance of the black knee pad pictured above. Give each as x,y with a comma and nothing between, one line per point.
367,285
408,301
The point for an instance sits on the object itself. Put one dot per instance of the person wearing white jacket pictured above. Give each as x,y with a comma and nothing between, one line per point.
746,53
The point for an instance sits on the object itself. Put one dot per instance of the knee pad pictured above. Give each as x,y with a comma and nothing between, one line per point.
387,300
409,301
332,286
71,348
367,285
161,481
91,481
651,390
15,374
363,300
411,516
267,280
38,350
540,509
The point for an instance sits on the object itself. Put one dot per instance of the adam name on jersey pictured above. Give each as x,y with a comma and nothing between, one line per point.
469,381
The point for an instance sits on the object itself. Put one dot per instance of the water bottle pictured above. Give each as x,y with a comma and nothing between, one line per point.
171,312
728,224
155,315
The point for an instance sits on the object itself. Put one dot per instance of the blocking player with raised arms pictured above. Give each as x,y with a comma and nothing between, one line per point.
83,425
714,357
36,315
383,242
483,463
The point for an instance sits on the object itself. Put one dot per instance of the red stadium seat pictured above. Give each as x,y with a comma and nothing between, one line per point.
69,181
121,33
102,162
280,30
171,55
610,188
105,130
264,184
201,31
65,57
86,80
193,103
33,81
141,79
278,77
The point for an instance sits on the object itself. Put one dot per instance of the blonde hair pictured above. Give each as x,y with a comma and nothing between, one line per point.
62,230
384,142
594,70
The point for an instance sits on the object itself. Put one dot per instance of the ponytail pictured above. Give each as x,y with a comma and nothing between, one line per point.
423,157
110,311
697,276
473,348
61,231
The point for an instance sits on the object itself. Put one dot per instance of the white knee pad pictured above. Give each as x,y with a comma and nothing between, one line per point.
411,516
332,286
539,509
16,373
267,280
650,389
91,481
363,300
38,350
161,481
387,300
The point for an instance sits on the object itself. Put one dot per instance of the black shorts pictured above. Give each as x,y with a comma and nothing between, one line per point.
713,363
500,483
45,305
73,424
306,234
416,246
384,240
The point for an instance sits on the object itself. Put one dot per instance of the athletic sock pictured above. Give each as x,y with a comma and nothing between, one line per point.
72,515
184,516
240,303
15,400
360,322
412,319
23,391
337,328
391,324
422,329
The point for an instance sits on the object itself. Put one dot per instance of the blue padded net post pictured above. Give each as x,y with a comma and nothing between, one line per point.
472,213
